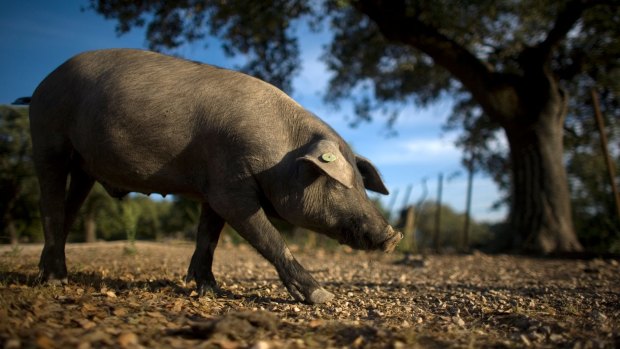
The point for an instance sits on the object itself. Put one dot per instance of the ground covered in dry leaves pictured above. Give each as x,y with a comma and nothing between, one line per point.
117,299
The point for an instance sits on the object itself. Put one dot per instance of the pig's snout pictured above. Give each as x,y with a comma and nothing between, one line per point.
392,241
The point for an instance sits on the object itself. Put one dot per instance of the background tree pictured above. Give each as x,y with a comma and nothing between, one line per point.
96,202
152,216
451,233
511,66
18,185
594,208
182,217
130,215
509,63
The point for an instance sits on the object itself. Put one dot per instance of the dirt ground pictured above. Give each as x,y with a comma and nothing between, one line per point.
117,299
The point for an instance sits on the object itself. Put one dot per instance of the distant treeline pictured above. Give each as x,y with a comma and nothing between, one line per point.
144,218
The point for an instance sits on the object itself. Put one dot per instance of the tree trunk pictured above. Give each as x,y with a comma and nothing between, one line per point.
540,214
13,235
90,227
7,216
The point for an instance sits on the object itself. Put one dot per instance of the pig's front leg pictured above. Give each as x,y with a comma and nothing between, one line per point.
207,236
265,238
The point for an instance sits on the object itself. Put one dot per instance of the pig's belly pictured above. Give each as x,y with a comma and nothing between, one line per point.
141,170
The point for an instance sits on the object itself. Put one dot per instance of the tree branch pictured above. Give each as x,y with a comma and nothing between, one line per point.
565,21
396,25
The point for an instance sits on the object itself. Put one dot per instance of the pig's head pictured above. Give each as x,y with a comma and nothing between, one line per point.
328,195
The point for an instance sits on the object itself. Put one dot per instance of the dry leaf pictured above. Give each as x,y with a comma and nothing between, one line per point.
178,306
155,314
127,339
120,312
226,344
261,345
13,343
315,323
358,342
89,308
45,342
86,324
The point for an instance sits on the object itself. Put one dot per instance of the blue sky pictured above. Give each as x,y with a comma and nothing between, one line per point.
37,36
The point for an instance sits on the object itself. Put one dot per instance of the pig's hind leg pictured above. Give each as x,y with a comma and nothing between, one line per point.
52,161
207,236
79,187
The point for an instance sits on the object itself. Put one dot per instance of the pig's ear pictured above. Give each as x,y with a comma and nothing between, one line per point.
372,178
326,156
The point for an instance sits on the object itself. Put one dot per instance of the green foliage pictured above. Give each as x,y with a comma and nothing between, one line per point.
451,228
594,208
377,74
150,224
588,58
102,211
181,219
261,30
130,213
497,33
19,217
113,217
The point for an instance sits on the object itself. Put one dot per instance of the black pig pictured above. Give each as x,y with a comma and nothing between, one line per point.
138,121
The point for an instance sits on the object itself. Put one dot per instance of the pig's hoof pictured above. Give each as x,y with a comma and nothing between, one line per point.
205,282
320,296
52,280
58,282
207,289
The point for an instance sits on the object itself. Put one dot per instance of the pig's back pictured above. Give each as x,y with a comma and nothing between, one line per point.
153,116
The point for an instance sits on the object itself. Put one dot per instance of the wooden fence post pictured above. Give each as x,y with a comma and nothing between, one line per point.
610,165
409,229
470,181
438,213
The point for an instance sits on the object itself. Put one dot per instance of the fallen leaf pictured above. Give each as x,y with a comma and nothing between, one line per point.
120,312
155,314
261,345
358,342
178,306
45,342
13,343
226,344
315,323
127,339
86,324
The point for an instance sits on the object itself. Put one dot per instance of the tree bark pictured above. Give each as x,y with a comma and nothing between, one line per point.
540,214
13,235
7,216
90,227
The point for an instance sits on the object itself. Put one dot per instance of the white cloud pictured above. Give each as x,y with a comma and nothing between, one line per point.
431,147
416,152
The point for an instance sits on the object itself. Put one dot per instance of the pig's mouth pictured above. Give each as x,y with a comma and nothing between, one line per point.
364,243
389,244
